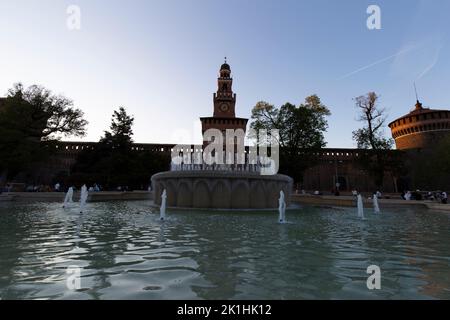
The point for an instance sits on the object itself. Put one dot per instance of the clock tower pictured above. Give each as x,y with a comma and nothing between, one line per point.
224,99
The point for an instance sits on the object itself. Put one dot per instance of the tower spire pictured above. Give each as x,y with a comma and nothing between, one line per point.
415,89
418,104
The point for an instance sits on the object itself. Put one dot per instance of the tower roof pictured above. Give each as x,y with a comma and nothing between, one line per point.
225,66
418,109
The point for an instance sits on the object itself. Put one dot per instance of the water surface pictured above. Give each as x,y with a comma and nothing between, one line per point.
125,252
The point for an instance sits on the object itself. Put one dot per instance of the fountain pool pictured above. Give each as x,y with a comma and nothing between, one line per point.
126,252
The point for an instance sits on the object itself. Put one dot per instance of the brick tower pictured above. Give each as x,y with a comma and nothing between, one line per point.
224,116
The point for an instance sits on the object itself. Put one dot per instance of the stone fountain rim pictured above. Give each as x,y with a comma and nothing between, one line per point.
227,210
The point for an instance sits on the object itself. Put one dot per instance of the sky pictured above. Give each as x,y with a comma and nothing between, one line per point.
160,58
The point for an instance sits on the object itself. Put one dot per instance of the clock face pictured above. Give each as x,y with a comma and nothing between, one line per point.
224,107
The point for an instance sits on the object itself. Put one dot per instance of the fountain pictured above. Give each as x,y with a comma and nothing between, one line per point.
360,207
282,208
162,210
83,198
221,189
69,197
222,173
375,204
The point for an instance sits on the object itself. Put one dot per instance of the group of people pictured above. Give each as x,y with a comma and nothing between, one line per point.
94,188
38,188
375,193
440,196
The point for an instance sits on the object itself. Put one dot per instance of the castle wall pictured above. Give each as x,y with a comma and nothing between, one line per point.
320,177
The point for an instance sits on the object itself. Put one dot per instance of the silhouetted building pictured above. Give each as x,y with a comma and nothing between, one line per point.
421,128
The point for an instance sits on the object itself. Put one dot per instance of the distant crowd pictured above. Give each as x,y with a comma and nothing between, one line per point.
418,195
59,187
439,196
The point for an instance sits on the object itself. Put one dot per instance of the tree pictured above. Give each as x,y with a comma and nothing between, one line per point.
29,118
114,162
121,134
371,136
300,128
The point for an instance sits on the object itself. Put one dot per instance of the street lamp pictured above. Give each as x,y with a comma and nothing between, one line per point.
337,184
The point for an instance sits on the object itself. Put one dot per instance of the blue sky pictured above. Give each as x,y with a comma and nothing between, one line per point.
160,59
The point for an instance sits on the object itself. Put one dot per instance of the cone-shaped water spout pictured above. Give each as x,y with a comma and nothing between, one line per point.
69,197
282,208
162,209
83,197
376,206
360,207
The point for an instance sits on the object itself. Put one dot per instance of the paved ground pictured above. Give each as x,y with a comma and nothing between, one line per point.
349,201
342,201
59,196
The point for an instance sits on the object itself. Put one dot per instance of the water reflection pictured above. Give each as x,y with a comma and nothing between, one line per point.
126,252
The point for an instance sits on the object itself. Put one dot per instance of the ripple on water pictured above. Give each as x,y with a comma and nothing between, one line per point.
125,252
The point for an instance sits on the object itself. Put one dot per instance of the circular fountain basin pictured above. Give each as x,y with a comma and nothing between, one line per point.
221,189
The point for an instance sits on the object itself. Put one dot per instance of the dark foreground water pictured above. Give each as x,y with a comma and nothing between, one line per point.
124,252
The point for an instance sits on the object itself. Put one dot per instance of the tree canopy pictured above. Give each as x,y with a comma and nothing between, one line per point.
113,162
371,137
29,117
300,128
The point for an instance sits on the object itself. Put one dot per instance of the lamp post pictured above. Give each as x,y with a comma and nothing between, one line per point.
337,177
337,184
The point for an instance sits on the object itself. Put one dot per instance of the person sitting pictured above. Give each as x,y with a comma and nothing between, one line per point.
408,196
444,197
